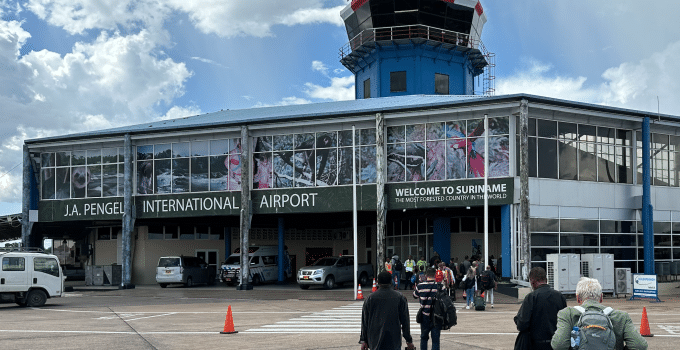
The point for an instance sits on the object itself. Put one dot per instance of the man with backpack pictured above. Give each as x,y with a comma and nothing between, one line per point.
436,309
595,321
488,280
397,267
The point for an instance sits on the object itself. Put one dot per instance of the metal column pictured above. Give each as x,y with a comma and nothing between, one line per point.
282,253
506,242
245,209
26,226
128,223
525,243
647,209
380,190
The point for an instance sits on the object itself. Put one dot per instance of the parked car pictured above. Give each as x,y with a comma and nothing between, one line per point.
330,271
187,270
29,277
264,266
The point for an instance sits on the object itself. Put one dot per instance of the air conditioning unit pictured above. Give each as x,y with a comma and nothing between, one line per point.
599,267
623,280
564,271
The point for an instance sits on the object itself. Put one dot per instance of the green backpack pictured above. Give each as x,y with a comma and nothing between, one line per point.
595,329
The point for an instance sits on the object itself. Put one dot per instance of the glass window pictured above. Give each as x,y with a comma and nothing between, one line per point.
533,166
94,185
606,161
579,240
544,225
441,84
109,180
398,81
199,174
63,184
48,183
200,148
104,233
587,132
568,169
180,175
567,131
47,160
78,158
202,232
587,161
144,152
181,149
162,151
662,228
49,266
544,239
155,231
163,176
219,172
367,88
63,158
13,264
94,156
218,147
546,128
547,158
613,240
578,225
110,155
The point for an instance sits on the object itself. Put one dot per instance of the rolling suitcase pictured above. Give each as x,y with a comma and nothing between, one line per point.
480,304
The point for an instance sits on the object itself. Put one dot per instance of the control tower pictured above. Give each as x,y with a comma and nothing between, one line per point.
410,47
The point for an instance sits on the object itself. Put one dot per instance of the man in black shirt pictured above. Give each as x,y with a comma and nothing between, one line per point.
383,318
538,313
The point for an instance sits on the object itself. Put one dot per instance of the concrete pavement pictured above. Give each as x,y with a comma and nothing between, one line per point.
269,317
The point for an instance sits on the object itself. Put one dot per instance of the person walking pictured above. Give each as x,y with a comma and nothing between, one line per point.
589,295
434,258
409,266
397,267
491,284
538,313
425,292
470,285
384,317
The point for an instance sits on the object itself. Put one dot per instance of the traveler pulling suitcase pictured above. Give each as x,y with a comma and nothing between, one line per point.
480,304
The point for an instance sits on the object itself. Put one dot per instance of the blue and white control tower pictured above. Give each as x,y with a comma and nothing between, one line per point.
411,47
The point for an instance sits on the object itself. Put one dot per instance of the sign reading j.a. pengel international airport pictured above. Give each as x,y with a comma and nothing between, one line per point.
290,200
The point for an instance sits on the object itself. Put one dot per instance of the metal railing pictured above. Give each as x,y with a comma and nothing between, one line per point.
416,31
420,31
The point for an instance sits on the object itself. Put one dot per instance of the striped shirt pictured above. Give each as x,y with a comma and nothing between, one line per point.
425,293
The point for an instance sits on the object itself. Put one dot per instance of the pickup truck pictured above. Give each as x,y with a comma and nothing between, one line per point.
333,270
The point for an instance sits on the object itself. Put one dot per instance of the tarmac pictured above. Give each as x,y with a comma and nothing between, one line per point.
267,317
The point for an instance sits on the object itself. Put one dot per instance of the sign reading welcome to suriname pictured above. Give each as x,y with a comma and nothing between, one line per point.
432,194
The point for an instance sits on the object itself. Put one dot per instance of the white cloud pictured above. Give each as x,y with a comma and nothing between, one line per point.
286,101
208,61
181,112
633,85
254,18
341,89
77,16
111,81
319,66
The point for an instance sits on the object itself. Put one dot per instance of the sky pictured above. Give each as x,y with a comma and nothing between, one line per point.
70,66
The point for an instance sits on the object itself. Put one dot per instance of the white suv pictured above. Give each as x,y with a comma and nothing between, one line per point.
29,276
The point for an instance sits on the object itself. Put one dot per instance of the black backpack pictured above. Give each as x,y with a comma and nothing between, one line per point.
398,266
487,280
443,311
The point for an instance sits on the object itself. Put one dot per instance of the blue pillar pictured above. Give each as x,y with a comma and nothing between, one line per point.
227,242
441,242
506,242
282,253
647,209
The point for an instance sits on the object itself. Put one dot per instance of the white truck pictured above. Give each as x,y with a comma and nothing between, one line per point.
29,277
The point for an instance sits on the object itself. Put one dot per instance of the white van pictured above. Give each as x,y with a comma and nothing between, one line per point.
186,270
264,265
29,276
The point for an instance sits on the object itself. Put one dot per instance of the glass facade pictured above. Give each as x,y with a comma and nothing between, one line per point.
196,166
621,238
447,150
313,159
82,174
570,151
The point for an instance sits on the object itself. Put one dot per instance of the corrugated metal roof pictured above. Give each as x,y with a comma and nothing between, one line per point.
327,109
277,113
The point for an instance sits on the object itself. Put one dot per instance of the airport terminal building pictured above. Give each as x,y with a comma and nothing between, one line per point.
564,176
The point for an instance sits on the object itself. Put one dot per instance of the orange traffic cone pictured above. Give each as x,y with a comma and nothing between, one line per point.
229,323
375,287
644,326
360,295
